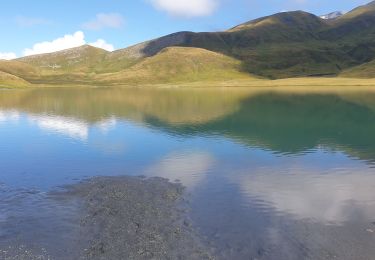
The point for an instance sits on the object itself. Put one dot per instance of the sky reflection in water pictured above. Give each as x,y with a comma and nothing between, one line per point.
255,162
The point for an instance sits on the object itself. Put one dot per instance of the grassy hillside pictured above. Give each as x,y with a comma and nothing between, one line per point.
80,59
18,69
84,59
180,64
72,66
283,45
316,47
366,70
359,12
10,81
89,65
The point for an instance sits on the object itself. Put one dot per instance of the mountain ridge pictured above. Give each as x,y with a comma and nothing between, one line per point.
282,45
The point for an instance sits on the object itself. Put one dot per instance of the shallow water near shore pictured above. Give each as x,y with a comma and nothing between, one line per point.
270,173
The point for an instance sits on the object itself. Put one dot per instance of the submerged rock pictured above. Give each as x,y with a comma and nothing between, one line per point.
135,218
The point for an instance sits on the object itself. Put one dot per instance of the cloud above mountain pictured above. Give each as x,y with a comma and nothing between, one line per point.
7,55
102,44
186,8
66,42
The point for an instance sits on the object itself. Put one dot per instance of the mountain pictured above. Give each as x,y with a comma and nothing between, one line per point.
179,64
332,15
79,59
283,45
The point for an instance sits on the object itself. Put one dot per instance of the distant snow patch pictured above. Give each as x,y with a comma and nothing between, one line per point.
332,15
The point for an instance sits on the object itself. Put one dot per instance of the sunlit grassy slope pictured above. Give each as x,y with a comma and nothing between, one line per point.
366,70
10,81
19,69
179,64
86,65
80,59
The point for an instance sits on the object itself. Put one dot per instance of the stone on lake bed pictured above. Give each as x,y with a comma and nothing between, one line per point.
135,218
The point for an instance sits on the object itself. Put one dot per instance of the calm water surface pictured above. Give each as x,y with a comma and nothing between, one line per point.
271,173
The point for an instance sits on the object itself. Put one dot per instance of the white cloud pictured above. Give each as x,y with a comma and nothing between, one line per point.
7,56
100,43
186,8
105,21
66,42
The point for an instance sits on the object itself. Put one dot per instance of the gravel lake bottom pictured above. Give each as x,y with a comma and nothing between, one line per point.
123,218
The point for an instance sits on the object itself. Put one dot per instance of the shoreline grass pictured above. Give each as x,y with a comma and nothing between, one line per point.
236,83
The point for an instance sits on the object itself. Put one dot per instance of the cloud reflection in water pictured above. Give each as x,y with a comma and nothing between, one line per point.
9,115
70,127
190,168
332,197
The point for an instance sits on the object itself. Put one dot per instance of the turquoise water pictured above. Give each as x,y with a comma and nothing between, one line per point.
271,174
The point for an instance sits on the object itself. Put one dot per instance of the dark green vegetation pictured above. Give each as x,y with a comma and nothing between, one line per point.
283,45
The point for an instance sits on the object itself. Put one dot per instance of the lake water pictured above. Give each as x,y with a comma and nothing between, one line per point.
271,173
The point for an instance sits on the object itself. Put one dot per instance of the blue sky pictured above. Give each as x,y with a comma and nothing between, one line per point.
31,27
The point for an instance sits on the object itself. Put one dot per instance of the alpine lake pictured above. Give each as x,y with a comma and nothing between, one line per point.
268,172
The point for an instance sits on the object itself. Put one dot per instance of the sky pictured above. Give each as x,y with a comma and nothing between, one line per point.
42,26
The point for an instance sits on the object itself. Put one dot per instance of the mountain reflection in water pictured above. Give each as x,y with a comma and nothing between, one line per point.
264,167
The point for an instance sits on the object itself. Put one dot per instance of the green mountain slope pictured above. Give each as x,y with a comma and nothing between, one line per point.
10,81
264,46
180,64
80,59
18,69
366,70
286,44
283,45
